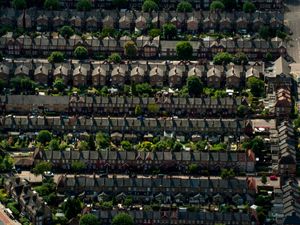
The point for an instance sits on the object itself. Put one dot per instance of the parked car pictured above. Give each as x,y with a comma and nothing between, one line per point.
273,177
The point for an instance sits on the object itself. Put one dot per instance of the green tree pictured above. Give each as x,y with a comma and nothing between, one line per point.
142,89
81,52
193,168
249,7
201,145
149,6
184,50
257,86
154,32
72,207
102,140
44,136
126,145
54,145
153,108
84,5
66,31
264,32
83,146
195,86
89,219
242,110
264,179
108,32
227,173
130,49
122,219
56,57
23,84
169,31
120,3
42,167
240,58
51,4
138,110
184,6
216,5
269,57
115,58
78,166
177,147
19,4
222,58
59,84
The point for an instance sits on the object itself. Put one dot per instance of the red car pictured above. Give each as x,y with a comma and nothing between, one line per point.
273,177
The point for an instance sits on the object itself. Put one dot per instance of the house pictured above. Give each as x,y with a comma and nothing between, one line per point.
125,22
41,74
156,76
80,76
137,74
214,77
175,77
22,70
31,204
233,77
4,73
118,75
99,76
61,72
283,105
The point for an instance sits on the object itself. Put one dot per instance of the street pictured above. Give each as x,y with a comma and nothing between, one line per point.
5,219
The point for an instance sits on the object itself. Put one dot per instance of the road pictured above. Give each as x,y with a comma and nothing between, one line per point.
292,20
5,219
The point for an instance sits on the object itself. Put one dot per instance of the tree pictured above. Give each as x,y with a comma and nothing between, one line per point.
240,58
115,58
264,179
154,32
153,108
149,6
19,4
89,219
138,110
169,31
193,168
195,86
42,167
269,57
78,166
177,147
59,84
257,86
72,207
142,89
249,7
126,145
184,6
54,145
227,173
23,84
51,4
222,58
84,5
122,219
66,31
264,32
102,140
81,52
184,50
83,146
216,5
56,57
130,49
242,110
44,136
